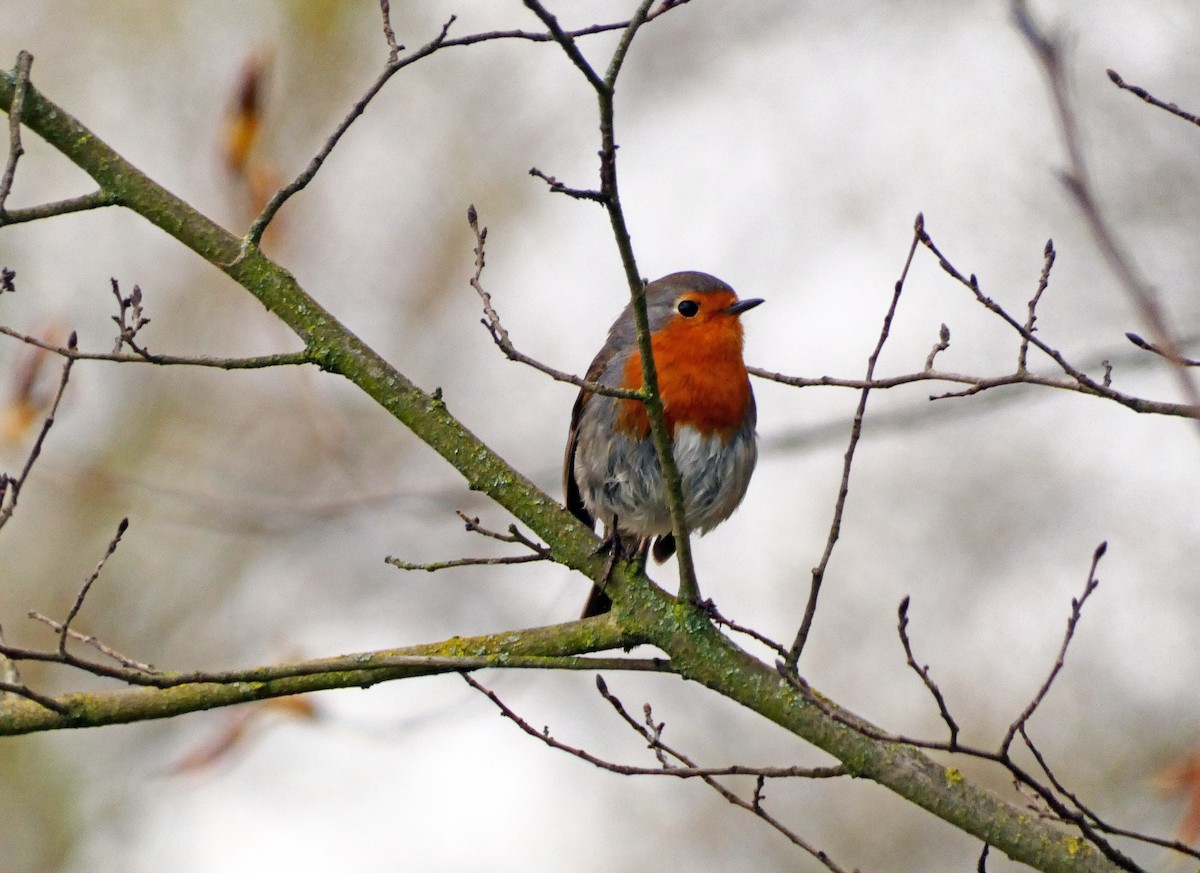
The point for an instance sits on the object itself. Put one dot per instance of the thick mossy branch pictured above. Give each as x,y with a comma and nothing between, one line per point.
544,647
643,613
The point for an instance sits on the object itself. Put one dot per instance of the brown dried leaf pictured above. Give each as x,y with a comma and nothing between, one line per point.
1182,776
243,123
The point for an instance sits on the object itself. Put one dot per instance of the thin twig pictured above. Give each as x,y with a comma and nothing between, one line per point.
652,735
559,188
940,346
1151,99
1086,384
64,630
434,566
923,672
1022,777
15,149
1048,50
1054,781
567,42
394,65
514,534
259,226
690,772
1150,347
652,731
389,35
541,552
255,363
1043,280
22,690
1076,612
979,384
818,572
129,308
95,200
713,613
500,337
12,487
95,642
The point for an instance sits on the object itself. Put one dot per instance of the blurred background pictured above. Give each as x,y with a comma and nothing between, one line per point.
787,152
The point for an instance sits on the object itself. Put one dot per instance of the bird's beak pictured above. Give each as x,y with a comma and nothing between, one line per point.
742,306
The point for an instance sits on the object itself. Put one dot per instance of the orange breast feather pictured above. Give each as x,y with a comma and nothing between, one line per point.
701,378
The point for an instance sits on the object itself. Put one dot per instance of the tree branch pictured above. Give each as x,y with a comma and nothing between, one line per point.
15,149
818,573
1048,50
1151,99
10,489
95,200
167,694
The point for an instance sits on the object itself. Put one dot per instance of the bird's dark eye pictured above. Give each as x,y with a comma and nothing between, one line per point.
688,308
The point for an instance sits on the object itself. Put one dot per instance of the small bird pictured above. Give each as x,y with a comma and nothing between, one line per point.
611,472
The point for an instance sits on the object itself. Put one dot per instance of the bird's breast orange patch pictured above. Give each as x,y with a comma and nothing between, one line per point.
701,377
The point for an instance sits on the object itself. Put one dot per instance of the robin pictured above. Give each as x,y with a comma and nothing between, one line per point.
611,472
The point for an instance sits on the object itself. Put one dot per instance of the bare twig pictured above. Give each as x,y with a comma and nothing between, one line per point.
540,551
1151,99
95,642
22,690
689,772
15,149
923,672
818,572
64,630
389,35
940,346
394,64
1076,611
559,188
1051,795
567,42
1150,347
652,733
259,226
1043,281
434,566
144,357
11,490
95,200
514,534
1048,50
979,384
129,319
717,618
491,321
1084,384
1090,829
